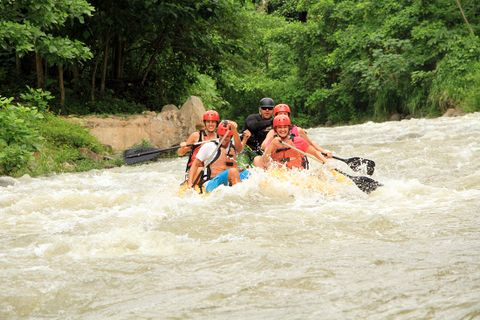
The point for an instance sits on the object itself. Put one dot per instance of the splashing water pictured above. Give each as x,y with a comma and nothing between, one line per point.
122,243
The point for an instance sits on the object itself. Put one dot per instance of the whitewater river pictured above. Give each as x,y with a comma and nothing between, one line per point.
122,244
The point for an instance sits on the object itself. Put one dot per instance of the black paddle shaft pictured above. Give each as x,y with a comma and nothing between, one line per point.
142,154
146,151
139,155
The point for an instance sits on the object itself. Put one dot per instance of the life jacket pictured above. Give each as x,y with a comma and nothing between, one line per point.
193,153
215,166
291,158
294,131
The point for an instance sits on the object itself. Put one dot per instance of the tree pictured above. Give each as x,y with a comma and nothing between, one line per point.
35,26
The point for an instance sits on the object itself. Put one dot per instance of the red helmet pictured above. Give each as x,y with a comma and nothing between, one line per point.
223,128
281,120
282,107
211,115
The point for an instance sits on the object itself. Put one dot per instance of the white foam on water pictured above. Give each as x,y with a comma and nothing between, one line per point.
123,243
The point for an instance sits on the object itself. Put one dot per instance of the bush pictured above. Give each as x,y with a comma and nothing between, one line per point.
36,98
36,143
19,136
60,132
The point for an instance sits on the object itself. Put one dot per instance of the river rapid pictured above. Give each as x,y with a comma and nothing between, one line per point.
123,244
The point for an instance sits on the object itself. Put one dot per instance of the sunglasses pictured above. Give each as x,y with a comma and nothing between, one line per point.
266,108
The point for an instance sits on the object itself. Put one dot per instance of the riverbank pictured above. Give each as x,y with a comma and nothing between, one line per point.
75,144
170,126
34,142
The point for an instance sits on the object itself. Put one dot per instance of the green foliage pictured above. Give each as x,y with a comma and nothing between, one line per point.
377,58
19,137
106,105
62,133
143,144
27,26
111,105
331,61
18,37
36,143
36,98
205,88
59,51
66,159
471,102
456,77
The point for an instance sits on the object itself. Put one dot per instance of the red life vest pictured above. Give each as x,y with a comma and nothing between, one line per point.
291,158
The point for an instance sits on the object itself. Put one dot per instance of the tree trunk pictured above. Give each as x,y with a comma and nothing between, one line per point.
157,47
18,65
151,62
39,69
61,85
464,17
94,76
45,73
76,76
104,68
119,59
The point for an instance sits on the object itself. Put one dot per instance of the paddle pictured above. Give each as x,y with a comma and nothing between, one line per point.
365,184
137,155
357,164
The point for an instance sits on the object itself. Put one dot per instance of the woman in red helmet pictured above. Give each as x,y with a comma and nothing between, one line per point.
211,119
284,109
219,159
277,151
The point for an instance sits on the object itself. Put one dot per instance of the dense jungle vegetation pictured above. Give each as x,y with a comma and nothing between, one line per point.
333,61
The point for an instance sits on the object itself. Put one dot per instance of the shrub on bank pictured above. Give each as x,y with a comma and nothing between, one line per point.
35,143
19,136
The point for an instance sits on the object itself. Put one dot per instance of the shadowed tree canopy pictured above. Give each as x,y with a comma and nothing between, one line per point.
331,61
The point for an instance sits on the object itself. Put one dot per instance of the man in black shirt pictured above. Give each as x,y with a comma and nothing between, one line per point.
259,124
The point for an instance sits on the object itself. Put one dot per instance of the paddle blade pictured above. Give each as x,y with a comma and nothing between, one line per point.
365,184
359,164
138,155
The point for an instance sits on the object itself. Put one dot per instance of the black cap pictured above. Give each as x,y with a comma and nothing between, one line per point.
267,102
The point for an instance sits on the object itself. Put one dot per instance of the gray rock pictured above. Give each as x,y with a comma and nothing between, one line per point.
7,181
453,112
395,117
169,107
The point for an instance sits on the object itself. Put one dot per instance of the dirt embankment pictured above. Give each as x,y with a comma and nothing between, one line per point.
168,127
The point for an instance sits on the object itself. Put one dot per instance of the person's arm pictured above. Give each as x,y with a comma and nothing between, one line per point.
245,136
204,154
271,148
269,137
255,123
236,137
191,139
302,145
317,154
193,174
302,133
